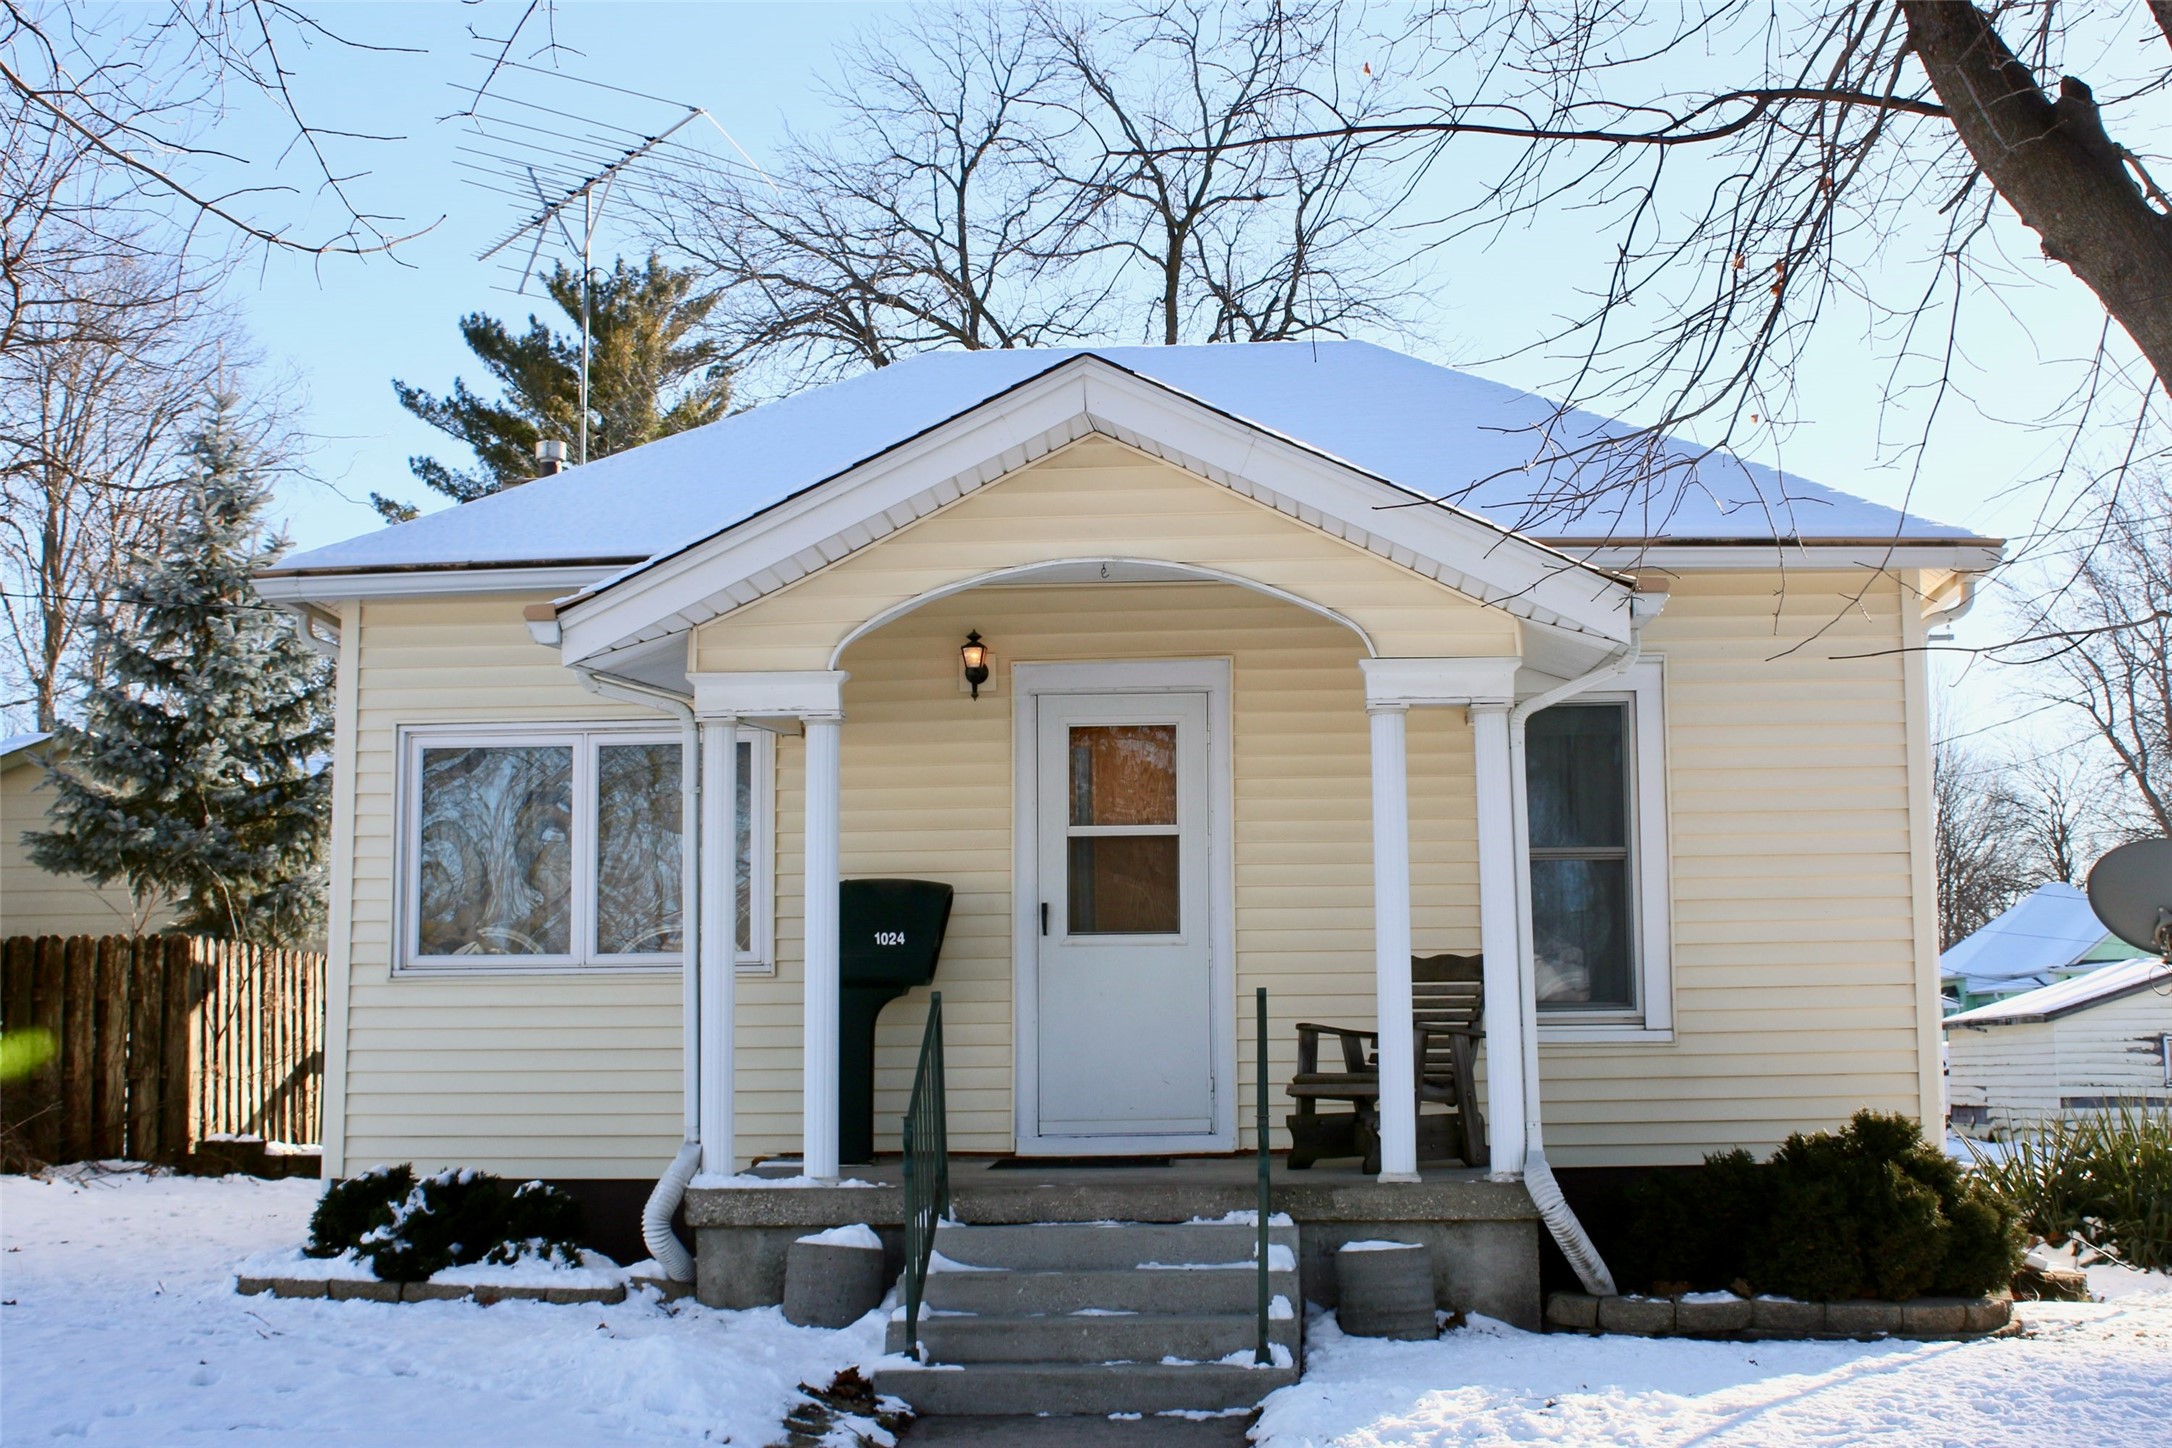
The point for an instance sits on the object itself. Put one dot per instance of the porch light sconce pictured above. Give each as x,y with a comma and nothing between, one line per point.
975,656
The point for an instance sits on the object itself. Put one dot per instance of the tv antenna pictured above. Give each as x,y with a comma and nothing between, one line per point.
561,170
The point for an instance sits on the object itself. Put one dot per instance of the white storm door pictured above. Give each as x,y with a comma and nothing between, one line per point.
1124,958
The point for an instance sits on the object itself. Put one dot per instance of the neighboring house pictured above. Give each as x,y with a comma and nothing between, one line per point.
1259,618
33,901
2049,935
2085,1045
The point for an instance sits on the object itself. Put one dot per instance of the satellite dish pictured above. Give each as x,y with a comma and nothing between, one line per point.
2131,891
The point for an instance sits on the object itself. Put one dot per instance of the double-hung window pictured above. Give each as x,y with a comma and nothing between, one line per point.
540,848
1594,774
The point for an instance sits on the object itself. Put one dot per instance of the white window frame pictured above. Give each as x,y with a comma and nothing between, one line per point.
1650,1017
585,739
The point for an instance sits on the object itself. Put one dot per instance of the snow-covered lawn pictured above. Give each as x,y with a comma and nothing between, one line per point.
2085,1376
121,1325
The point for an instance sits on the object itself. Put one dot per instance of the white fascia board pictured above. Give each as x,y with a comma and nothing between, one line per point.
1417,682
779,694
1969,555
1088,395
324,588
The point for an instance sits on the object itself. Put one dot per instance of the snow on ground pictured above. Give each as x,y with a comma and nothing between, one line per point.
2095,1375
121,1325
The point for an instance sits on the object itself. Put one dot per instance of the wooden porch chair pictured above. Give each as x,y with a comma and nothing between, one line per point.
1448,1006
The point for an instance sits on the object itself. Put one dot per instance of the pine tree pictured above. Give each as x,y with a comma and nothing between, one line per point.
649,376
190,774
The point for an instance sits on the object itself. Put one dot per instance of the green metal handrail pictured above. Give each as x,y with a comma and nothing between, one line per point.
1265,1354
927,1168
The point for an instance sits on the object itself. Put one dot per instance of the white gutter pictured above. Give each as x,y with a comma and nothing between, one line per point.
656,1233
1538,1176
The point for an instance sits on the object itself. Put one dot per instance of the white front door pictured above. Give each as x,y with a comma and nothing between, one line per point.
1122,956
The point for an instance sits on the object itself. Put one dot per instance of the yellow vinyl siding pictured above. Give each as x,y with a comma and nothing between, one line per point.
538,1074
1794,913
33,902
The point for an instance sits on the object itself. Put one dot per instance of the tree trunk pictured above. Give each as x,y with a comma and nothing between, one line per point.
2053,163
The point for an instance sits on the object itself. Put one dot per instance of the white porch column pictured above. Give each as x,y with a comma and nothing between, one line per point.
1500,883
1391,945
818,1085
719,938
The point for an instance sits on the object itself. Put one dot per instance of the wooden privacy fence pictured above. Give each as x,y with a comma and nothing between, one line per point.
163,1041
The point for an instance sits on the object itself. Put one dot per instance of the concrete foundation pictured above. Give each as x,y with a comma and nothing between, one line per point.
1481,1237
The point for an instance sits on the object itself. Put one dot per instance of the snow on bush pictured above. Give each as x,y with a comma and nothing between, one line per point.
410,1230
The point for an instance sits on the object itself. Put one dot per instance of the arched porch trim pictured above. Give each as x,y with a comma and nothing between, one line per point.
1024,573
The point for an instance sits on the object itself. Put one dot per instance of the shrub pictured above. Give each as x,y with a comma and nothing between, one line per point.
2104,1179
410,1230
1695,1226
1869,1210
350,1210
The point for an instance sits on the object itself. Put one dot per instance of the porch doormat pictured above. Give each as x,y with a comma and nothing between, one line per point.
1072,1163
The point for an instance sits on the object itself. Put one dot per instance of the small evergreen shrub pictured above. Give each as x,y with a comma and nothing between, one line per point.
409,1230
1871,1210
350,1210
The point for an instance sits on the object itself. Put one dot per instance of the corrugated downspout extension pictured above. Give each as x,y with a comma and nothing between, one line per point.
663,1203
1538,1176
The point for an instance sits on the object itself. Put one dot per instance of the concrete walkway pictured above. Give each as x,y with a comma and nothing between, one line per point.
1078,1432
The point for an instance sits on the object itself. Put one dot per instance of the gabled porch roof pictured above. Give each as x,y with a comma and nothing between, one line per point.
642,610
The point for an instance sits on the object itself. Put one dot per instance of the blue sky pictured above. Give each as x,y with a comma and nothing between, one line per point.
335,332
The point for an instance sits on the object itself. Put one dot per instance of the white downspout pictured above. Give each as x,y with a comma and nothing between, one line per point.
1965,599
1538,1176
656,1233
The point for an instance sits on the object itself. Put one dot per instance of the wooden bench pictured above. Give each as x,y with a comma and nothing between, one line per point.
1447,1009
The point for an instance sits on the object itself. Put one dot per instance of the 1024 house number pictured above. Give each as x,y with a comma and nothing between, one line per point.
889,937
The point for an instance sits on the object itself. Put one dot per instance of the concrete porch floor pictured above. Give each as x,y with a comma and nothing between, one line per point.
1482,1235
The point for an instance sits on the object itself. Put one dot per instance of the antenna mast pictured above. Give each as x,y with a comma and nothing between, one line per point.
561,169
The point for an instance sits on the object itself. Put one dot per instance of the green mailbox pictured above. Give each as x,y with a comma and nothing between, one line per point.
889,935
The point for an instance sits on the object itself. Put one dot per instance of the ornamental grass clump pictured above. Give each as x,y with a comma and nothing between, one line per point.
2104,1180
410,1230
1871,1210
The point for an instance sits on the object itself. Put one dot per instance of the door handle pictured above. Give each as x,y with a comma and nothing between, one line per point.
1044,917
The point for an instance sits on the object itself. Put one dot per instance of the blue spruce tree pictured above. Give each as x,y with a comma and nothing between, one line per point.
190,775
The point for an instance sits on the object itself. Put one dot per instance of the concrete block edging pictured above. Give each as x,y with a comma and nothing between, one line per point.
369,1290
1743,1319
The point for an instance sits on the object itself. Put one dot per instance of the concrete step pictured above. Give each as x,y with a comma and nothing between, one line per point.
1020,1389
992,1294
1107,1246
1094,1338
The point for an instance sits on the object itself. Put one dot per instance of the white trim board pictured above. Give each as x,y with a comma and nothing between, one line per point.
554,579
1028,682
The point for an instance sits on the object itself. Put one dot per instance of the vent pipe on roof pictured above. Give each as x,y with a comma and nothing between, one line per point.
550,457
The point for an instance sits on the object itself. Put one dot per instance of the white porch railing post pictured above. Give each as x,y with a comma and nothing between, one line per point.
1391,944
1500,883
818,1086
719,938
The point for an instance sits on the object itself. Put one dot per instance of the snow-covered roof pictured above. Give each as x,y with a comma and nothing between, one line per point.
2050,928
2067,996
1425,428
14,745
